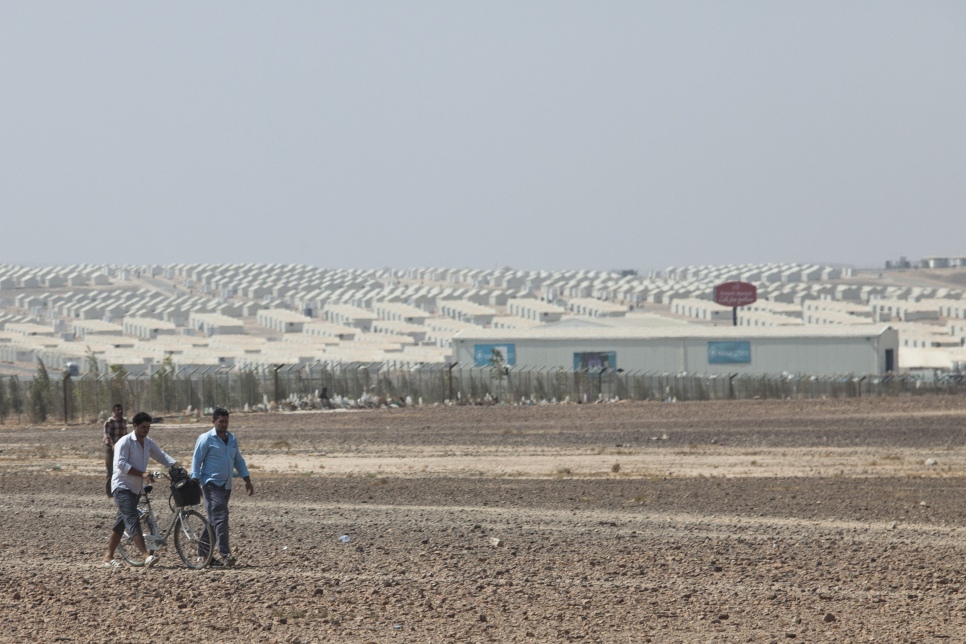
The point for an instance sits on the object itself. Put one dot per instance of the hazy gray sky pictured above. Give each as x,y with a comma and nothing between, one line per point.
529,134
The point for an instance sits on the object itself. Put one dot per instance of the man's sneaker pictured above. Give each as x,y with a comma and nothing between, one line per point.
216,563
229,561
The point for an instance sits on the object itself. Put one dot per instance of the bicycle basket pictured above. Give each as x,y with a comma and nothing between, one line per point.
186,492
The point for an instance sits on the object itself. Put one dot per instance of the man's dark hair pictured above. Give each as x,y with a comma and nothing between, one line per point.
116,405
141,417
218,413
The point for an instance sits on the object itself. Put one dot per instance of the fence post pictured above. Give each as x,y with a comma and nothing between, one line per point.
275,379
66,378
449,371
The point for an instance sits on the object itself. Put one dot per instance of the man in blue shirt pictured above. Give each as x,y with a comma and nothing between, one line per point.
216,455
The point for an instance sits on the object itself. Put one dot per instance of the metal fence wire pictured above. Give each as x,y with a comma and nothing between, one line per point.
88,396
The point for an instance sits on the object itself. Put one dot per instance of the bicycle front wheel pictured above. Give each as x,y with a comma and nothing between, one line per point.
193,539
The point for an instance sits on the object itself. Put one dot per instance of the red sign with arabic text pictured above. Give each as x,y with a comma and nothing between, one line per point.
735,294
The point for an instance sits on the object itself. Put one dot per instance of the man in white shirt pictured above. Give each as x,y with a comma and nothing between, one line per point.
131,455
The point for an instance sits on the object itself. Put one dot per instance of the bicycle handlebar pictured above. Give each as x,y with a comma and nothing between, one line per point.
149,487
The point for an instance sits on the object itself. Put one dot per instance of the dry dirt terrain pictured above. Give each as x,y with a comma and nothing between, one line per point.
758,521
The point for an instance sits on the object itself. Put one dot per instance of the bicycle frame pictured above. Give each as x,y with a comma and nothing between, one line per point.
157,538
193,535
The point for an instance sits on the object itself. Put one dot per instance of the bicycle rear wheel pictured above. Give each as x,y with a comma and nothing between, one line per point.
128,550
193,539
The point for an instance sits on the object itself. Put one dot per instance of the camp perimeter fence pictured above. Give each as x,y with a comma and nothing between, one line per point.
86,397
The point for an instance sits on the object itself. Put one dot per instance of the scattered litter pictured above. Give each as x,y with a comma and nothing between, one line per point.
344,538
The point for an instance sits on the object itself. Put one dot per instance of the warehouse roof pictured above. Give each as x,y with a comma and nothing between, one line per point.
691,331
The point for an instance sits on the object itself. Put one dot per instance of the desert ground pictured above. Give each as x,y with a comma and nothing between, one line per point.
755,521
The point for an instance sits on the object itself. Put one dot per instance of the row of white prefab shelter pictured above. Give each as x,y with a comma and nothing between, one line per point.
343,315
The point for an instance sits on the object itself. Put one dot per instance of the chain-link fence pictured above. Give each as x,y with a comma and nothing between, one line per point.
86,397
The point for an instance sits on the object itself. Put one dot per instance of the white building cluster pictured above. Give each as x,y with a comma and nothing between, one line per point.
221,316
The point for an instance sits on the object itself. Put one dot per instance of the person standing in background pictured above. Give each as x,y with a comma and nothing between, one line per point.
114,428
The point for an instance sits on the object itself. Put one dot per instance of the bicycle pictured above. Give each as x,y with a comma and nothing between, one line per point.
193,535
